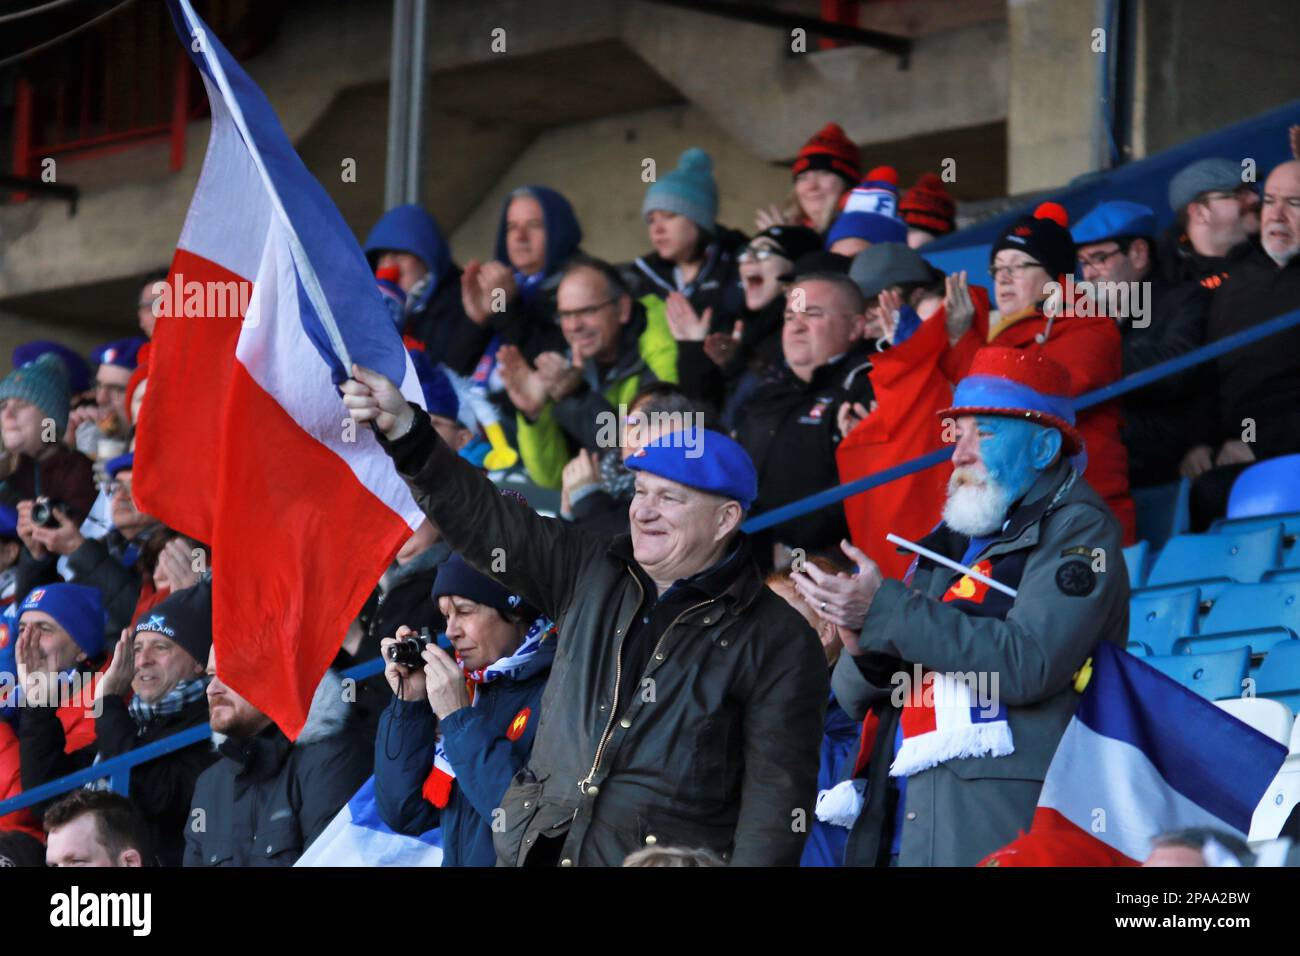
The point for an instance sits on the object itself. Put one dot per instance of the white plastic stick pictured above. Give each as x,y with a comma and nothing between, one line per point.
949,563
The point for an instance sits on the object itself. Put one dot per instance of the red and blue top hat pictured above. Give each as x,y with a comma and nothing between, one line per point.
1018,383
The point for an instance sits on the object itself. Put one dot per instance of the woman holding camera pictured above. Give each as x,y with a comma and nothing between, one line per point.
459,728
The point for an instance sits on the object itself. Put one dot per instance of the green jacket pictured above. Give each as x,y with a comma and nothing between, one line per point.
648,353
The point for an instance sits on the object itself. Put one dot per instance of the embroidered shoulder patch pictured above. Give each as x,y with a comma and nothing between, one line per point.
1076,578
516,728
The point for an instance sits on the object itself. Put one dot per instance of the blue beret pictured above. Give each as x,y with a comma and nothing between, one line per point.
78,370
122,353
8,521
1114,220
701,459
78,609
439,395
120,463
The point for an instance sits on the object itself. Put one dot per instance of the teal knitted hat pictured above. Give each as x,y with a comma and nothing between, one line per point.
44,383
688,190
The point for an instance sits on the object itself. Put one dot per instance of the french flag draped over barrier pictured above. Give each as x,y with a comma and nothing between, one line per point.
1145,755
358,837
244,442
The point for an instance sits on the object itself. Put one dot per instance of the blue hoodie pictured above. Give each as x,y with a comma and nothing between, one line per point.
563,234
411,229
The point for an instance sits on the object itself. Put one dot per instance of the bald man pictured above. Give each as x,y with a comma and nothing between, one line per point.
1253,412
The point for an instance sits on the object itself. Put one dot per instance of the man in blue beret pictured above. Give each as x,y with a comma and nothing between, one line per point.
107,418
686,703
1158,320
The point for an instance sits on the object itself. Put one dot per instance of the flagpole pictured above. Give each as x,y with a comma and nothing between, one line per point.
949,563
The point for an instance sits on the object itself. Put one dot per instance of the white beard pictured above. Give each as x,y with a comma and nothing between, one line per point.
975,509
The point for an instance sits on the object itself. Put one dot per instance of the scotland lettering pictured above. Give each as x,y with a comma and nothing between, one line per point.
191,299
75,909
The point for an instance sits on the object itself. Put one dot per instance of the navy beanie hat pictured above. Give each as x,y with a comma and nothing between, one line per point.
456,577
77,609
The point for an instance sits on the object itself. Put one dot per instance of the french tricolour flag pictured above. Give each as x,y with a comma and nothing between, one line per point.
1145,755
358,837
244,442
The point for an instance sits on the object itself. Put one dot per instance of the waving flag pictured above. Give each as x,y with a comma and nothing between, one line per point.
1145,755
244,442
358,837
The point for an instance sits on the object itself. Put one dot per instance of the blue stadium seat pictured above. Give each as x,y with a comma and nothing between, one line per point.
1162,511
1247,615
1215,676
1138,649
1158,620
1267,488
1135,559
1290,523
1239,556
1279,675
1283,574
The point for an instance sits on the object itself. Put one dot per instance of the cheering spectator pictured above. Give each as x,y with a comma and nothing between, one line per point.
791,416
267,797
598,487
691,275
1016,515
725,724
928,210
407,238
100,430
1217,216
511,300
96,828
59,655
1114,243
33,416
161,666
570,402
474,744
1252,410
1030,261
828,166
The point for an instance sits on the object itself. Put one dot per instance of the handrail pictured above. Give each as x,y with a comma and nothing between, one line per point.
118,769
1173,366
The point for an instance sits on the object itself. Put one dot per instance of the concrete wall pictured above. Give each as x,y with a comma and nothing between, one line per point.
597,165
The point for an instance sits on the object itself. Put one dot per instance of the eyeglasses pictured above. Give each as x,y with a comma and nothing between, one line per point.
759,254
112,487
585,311
1099,259
1016,270
1243,194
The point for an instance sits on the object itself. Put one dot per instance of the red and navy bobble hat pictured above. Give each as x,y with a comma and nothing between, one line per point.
928,205
830,149
1018,383
702,459
1045,235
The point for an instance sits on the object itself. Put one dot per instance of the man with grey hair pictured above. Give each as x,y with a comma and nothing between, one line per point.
1252,412
1199,846
789,424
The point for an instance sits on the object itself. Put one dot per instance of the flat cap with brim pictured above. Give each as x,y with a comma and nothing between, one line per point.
1203,176
1018,383
701,459
888,264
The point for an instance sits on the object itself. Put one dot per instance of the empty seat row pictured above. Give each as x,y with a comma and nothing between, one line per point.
1219,675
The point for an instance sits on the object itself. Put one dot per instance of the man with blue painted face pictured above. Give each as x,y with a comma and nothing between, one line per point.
965,687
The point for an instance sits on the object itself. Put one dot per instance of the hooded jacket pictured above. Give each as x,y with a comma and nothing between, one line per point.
528,320
268,798
434,314
716,286
486,745
719,749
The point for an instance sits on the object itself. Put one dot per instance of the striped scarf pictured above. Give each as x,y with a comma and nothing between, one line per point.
173,702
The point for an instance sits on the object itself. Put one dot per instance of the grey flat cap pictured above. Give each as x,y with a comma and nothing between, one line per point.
888,264
1203,176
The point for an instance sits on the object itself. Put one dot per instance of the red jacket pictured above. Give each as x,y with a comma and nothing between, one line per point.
11,784
1089,348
